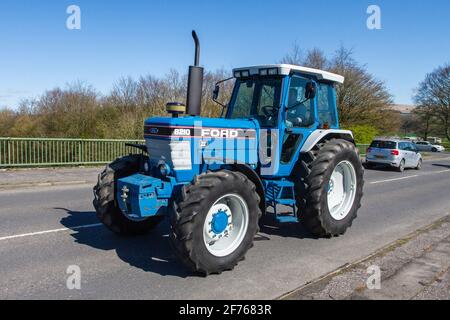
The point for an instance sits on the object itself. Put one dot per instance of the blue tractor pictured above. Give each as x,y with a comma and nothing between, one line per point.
277,144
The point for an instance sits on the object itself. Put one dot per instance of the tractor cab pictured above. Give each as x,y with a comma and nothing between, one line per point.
289,102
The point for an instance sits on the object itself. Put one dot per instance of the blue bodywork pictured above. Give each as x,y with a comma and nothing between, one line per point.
188,146
141,196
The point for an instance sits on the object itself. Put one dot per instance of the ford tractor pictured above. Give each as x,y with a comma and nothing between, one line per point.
277,145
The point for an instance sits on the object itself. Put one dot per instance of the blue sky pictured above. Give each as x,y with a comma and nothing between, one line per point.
135,37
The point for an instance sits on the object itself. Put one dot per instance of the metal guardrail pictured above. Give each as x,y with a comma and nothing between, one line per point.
42,152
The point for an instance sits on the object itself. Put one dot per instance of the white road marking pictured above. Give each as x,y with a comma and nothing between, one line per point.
448,170
396,179
50,231
408,177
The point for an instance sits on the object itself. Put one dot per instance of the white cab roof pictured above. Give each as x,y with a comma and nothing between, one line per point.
286,69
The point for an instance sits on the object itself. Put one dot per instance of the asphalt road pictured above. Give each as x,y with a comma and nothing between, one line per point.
44,230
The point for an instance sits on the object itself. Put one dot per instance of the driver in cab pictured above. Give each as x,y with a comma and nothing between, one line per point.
299,109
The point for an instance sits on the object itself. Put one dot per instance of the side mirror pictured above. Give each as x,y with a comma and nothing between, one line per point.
310,90
216,92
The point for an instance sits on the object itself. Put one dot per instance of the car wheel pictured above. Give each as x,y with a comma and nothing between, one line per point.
401,166
419,164
368,165
434,150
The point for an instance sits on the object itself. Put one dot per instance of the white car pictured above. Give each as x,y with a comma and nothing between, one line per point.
399,154
428,146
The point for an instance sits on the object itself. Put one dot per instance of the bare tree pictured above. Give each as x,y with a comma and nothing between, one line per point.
124,93
362,99
424,116
315,58
433,96
294,56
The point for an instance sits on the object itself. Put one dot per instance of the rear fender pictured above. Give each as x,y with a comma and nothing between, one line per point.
321,135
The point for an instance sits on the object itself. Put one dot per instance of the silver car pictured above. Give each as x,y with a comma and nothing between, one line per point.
399,154
428,146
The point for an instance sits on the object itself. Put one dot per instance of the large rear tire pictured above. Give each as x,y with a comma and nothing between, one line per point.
105,202
214,221
329,187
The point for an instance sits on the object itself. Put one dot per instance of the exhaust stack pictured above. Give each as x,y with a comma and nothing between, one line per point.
195,82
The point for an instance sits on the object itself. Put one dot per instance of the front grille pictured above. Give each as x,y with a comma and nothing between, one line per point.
177,154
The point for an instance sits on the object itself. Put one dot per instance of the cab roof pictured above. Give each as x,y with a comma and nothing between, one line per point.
286,69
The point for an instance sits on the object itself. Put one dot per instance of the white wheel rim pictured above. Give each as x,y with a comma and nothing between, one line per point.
226,225
341,190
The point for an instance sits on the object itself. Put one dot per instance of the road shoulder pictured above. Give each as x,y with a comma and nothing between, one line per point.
42,177
414,267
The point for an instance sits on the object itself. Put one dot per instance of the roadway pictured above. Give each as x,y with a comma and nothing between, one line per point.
43,230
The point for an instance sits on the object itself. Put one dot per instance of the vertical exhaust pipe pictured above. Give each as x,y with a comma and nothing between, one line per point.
195,82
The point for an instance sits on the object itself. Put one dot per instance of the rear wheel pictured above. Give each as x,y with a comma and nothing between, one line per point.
215,220
330,187
108,212
401,166
419,164
368,165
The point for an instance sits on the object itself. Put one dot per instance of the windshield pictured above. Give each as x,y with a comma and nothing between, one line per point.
384,144
258,98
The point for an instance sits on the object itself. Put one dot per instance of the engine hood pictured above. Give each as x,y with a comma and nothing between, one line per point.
199,127
190,143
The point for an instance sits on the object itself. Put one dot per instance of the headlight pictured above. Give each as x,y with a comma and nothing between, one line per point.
242,73
268,72
273,71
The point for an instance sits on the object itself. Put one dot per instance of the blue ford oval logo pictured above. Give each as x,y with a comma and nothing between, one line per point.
154,130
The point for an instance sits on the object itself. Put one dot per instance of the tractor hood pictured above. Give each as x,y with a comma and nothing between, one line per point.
153,126
188,144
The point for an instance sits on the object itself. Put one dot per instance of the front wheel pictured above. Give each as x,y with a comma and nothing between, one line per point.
215,220
105,202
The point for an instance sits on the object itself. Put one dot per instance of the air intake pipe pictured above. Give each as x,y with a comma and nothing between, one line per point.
195,82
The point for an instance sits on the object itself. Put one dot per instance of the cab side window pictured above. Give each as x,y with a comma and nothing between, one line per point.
300,111
326,105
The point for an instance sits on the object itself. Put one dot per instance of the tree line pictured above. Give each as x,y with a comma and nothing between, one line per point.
432,97
79,111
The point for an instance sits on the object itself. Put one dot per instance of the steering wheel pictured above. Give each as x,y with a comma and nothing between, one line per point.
299,120
268,111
